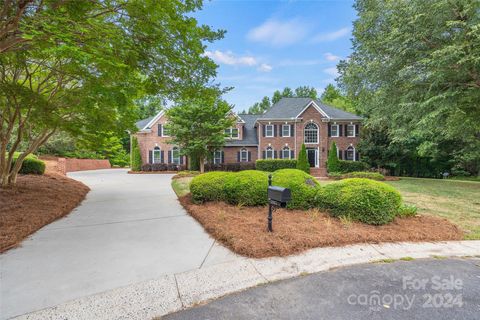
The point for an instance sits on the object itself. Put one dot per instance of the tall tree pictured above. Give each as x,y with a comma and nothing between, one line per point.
415,67
265,104
198,125
77,66
306,92
332,96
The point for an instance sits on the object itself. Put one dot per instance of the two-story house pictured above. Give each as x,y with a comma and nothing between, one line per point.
277,134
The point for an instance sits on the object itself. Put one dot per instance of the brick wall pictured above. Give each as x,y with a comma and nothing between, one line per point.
231,153
70,165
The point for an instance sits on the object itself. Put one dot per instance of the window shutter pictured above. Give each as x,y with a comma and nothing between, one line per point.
357,156
223,157
340,153
340,128
264,129
274,130
162,160
150,156
159,129
329,130
357,131
264,154
346,130
275,154
249,156
280,127
280,154
181,159
346,155
292,130
169,160
238,156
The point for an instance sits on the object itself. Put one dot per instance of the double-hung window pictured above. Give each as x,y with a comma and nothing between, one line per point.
350,130
269,130
217,157
176,155
231,133
244,155
286,130
334,130
269,153
157,155
350,153
286,153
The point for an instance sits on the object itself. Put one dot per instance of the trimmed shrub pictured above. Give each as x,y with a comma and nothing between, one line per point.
271,165
345,166
159,166
146,167
31,164
303,186
302,162
363,174
332,160
364,200
233,167
248,188
209,186
136,160
335,175
407,211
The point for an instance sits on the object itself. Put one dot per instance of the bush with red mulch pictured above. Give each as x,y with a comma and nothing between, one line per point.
34,202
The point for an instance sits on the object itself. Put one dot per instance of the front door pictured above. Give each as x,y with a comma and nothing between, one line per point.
312,157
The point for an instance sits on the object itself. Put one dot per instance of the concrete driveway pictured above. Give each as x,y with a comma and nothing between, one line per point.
129,229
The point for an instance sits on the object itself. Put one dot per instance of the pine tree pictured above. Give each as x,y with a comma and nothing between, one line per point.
302,162
332,161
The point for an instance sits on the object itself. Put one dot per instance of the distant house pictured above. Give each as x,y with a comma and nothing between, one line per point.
277,134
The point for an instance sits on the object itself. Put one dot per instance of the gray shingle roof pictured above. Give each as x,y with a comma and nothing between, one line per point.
249,133
142,123
288,108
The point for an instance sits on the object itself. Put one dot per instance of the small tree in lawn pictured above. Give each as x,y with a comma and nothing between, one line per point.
198,126
333,164
136,164
302,162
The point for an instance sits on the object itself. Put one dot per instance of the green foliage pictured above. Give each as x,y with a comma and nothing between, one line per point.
31,164
345,166
363,200
362,174
271,165
266,103
136,156
414,73
407,211
209,186
332,96
302,185
302,162
247,188
332,160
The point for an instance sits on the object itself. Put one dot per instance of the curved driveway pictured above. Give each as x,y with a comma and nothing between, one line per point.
129,229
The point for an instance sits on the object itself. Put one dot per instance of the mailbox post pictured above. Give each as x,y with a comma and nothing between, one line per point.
277,197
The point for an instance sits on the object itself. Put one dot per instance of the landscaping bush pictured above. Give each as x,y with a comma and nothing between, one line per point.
303,186
335,175
233,167
146,167
345,166
209,186
364,200
407,211
271,165
31,164
159,167
332,160
136,164
363,174
248,188
302,163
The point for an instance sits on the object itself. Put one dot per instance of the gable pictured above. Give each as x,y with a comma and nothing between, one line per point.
147,124
312,109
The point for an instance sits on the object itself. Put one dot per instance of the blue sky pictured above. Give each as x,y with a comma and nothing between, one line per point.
273,44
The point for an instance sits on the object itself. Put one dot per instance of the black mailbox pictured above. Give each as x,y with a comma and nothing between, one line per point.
279,196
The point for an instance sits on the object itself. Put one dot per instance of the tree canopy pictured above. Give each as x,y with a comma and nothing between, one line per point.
415,74
266,103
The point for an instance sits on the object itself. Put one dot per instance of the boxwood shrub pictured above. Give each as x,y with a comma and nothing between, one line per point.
31,164
248,188
271,165
303,186
209,186
345,166
364,200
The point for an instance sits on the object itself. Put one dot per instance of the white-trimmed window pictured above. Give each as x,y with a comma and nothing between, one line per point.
269,130
244,155
269,153
350,130
176,155
217,157
286,153
351,153
165,132
334,130
311,133
286,130
231,133
157,155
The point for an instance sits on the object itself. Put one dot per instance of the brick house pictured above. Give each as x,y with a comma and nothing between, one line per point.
276,134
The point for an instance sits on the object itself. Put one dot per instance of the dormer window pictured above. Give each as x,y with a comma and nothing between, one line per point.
231,133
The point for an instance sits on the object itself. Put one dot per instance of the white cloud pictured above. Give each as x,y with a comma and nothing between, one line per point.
278,33
265,67
229,58
331,57
330,36
331,71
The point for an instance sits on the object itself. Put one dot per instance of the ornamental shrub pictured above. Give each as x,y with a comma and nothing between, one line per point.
209,186
248,188
271,165
302,162
345,166
332,160
234,167
31,164
303,186
363,174
407,210
364,200
136,164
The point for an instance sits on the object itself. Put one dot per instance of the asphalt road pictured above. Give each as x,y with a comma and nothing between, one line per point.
419,289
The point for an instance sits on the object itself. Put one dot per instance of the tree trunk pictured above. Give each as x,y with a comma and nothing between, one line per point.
201,164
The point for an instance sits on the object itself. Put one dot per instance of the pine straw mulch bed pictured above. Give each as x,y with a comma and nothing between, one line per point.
34,202
243,229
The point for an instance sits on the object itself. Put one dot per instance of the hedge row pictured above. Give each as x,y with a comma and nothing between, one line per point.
357,174
31,164
271,165
163,167
234,167
345,166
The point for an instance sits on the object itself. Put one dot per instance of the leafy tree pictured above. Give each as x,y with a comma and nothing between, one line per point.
302,162
277,95
197,126
265,104
330,93
332,96
149,106
415,69
136,157
287,93
260,107
306,92
332,161
77,66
